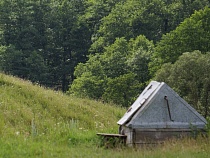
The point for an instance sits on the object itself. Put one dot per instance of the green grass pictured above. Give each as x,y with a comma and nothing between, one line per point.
38,122
20,147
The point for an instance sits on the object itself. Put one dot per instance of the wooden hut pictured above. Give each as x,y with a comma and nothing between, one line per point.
158,114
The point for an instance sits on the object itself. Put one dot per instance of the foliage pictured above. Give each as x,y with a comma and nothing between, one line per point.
189,76
192,34
52,30
90,80
95,10
141,51
108,76
151,18
24,64
117,90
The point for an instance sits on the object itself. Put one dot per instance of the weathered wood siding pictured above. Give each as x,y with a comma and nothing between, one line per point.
155,136
139,137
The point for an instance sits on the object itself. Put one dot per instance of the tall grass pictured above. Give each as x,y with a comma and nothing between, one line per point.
23,105
20,147
38,122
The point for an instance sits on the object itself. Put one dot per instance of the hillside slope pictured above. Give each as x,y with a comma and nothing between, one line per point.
39,122
27,109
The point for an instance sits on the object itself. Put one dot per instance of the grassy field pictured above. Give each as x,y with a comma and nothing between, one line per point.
39,122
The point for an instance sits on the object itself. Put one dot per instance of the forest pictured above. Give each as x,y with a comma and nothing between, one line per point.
109,50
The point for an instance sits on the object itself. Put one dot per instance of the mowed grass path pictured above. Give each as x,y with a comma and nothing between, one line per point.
39,122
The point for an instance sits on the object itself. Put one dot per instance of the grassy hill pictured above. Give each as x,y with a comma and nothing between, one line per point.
24,105
39,122
29,111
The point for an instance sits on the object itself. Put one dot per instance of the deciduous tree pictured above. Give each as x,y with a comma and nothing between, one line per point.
192,34
190,77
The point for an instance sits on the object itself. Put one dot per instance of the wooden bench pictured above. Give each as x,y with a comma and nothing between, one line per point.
112,140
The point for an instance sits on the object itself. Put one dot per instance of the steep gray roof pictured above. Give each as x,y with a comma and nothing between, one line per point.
158,106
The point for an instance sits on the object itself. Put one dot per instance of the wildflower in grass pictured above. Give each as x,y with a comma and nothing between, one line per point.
17,133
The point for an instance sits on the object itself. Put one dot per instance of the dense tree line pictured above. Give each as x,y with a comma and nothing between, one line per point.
43,40
108,49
